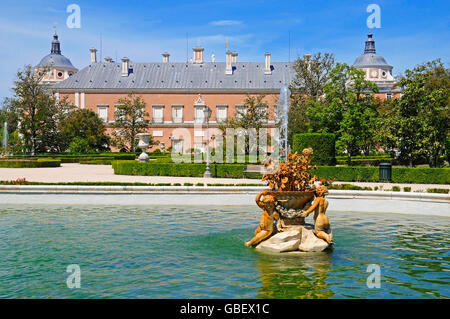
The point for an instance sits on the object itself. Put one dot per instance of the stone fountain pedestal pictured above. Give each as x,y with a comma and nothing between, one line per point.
291,233
299,238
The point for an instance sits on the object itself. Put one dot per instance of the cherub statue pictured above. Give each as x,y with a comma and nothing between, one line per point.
268,216
321,223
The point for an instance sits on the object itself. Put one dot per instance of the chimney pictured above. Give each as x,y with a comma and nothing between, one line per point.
229,68
93,55
166,56
213,58
267,68
108,59
234,57
125,66
198,54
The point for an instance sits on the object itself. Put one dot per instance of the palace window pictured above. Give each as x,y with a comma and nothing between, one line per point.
119,113
177,113
199,114
221,113
388,96
158,113
240,110
103,112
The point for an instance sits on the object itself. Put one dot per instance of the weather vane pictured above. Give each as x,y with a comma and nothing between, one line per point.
54,26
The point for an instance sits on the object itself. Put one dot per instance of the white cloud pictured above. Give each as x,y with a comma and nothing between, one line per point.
221,23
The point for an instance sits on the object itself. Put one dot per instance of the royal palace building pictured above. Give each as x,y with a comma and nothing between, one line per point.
176,93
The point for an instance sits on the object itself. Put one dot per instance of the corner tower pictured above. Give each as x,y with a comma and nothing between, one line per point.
375,67
56,65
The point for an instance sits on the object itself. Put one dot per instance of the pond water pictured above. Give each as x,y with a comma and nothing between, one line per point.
198,252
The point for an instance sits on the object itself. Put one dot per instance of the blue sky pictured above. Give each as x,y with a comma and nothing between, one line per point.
411,31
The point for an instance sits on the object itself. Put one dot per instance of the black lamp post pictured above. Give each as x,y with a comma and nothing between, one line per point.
207,113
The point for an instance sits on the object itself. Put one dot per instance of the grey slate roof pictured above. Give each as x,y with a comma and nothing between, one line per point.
179,76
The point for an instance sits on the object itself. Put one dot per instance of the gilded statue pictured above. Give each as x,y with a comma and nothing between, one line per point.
265,228
321,223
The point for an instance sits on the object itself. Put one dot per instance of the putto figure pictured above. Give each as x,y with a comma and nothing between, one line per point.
268,216
321,223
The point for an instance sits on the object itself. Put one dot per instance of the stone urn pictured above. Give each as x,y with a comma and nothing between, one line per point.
143,145
290,204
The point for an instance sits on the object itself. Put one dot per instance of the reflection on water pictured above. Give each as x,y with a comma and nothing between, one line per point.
198,252
295,275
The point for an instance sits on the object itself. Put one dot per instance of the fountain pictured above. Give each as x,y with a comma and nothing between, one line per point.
288,202
5,138
143,145
282,110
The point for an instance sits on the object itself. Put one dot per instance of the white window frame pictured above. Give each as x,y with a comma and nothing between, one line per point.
176,108
103,107
157,119
238,108
219,108
199,110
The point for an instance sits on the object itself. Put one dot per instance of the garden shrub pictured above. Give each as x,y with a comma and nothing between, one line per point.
180,169
340,173
80,145
323,145
41,162
438,190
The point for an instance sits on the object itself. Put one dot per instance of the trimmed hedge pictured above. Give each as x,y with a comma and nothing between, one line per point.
368,162
76,158
41,162
343,174
399,174
323,145
181,169
97,162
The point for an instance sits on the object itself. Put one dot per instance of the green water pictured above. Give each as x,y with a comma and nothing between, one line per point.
198,252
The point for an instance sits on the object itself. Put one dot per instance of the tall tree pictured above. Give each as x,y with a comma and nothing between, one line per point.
35,108
312,73
86,125
419,122
348,109
129,121
253,115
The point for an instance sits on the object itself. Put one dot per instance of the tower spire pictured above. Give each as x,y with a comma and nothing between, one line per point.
56,46
370,44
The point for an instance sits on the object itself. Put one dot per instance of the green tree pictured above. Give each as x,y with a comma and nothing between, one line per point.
34,107
419,121
129,121
253,115
84,124
312,73
348,109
